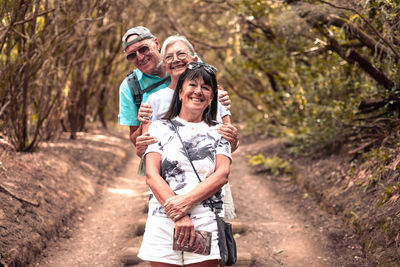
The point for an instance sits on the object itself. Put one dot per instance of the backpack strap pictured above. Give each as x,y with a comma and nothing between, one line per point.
136,90
155,85
134,87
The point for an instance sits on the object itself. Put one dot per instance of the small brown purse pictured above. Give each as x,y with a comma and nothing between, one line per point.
202,244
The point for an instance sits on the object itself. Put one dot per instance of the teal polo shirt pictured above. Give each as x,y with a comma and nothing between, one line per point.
128,111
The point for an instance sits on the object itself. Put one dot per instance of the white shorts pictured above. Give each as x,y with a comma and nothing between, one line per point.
158,238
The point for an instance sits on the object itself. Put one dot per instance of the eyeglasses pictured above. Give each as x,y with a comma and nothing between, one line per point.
180,55
143,50
209,68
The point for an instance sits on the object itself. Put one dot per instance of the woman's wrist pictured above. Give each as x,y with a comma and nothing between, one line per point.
190,200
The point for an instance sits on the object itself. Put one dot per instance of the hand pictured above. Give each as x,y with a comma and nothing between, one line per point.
230,133
223,97
142,142
184,232
144,113
176,207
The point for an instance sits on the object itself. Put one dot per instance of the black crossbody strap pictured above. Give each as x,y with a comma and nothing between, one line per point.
190,160
154,85
186,152
136,90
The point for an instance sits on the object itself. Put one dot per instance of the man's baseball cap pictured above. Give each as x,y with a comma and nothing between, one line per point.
141,32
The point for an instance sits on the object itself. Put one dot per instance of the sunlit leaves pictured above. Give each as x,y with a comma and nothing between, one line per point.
317,92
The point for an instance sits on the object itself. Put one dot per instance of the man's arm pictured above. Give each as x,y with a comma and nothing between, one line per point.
230,133
128,112
134,132
224,98
227,130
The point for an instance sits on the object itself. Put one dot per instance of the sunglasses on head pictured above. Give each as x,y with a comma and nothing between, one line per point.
143,50
196,65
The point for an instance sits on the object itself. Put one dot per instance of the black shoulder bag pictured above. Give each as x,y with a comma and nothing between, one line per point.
226,242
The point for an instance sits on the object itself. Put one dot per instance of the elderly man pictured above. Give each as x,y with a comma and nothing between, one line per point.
142,50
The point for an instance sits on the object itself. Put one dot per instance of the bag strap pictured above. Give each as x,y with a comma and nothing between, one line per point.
135,88
155,85
186,152
191,163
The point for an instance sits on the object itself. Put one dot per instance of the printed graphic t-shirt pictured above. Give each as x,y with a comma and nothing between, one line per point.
203,143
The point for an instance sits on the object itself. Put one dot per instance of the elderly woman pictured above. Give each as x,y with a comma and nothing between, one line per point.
180,201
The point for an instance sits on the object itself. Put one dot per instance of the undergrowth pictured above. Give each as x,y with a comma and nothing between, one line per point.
274,165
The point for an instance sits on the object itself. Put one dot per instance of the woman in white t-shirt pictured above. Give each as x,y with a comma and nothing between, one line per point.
177,52
179,203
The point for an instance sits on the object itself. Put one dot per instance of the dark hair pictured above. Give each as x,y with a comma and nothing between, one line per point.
210,113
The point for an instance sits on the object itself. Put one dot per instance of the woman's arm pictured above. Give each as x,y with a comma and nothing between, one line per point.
160,188
209,186
178,206
184,227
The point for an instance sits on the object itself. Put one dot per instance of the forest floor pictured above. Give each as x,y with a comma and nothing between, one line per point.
80,203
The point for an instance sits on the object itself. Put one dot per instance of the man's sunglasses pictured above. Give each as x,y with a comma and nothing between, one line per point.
209,68
143,50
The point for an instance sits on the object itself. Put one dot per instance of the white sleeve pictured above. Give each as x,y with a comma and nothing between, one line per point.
152,102
224,148
222,109
156,129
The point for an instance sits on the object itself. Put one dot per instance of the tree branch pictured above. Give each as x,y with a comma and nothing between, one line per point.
368,23
352,56
245,97
369,105
351,29
3,108
27,20
178,27
369,68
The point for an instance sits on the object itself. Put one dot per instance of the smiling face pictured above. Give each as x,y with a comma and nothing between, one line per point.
176,58
196,96
148,62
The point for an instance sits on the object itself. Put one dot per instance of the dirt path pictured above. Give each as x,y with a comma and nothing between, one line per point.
104,228
284,227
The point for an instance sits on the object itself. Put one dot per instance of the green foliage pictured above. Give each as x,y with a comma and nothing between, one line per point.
275,165
388,192
285,63
305,89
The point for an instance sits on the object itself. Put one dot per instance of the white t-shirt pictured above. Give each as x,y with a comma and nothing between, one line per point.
203,143
161,100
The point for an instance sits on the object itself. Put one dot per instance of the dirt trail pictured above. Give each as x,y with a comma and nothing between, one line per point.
104,228
284,227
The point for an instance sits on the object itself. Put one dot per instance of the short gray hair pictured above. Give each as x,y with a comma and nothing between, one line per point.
176,38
